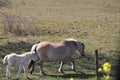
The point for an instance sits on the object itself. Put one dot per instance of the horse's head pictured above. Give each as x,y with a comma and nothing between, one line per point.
81,48
77,45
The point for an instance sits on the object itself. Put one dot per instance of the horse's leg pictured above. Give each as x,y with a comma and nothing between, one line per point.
41,70
31,66
61,66
19,71
72,65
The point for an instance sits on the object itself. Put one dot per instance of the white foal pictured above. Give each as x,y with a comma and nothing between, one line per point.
22,60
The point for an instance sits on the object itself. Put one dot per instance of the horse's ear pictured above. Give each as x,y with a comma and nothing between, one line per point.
73,43
38,41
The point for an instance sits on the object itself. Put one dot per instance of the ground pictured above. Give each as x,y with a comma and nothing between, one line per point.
95,23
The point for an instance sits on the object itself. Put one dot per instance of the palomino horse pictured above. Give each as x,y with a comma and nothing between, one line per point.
64,50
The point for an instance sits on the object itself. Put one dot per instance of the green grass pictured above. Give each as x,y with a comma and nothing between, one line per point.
94,22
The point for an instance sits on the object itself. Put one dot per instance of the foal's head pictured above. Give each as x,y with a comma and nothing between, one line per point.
34,56
77,45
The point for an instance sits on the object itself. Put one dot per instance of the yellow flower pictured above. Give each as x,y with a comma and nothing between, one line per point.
100,70
71,79
107,67
107,77
106,64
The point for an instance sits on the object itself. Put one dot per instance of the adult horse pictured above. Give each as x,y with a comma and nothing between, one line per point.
61,51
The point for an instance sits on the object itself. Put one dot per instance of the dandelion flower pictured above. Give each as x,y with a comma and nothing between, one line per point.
100,70
107,77
107,67
71,79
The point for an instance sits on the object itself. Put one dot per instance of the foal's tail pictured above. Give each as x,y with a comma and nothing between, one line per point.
5,59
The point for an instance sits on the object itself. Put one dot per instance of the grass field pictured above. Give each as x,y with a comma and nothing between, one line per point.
94,22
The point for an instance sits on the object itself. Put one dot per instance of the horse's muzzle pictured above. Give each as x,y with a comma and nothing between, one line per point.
81,55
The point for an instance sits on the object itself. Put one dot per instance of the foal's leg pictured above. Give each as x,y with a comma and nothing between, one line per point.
41,70
8,72
25,71
61,66
19,71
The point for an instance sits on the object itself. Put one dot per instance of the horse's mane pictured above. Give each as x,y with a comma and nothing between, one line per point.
70,39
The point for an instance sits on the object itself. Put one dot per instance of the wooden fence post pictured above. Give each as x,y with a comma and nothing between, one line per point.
97,64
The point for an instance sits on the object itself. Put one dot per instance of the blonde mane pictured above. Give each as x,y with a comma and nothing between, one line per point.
71,39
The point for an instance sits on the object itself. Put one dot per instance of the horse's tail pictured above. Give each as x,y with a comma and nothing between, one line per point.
5,59
33,49
31,66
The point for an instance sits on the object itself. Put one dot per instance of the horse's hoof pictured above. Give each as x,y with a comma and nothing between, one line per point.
17,78
28,78
9,77
61,71
4,76
30,72
74,69
43,73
